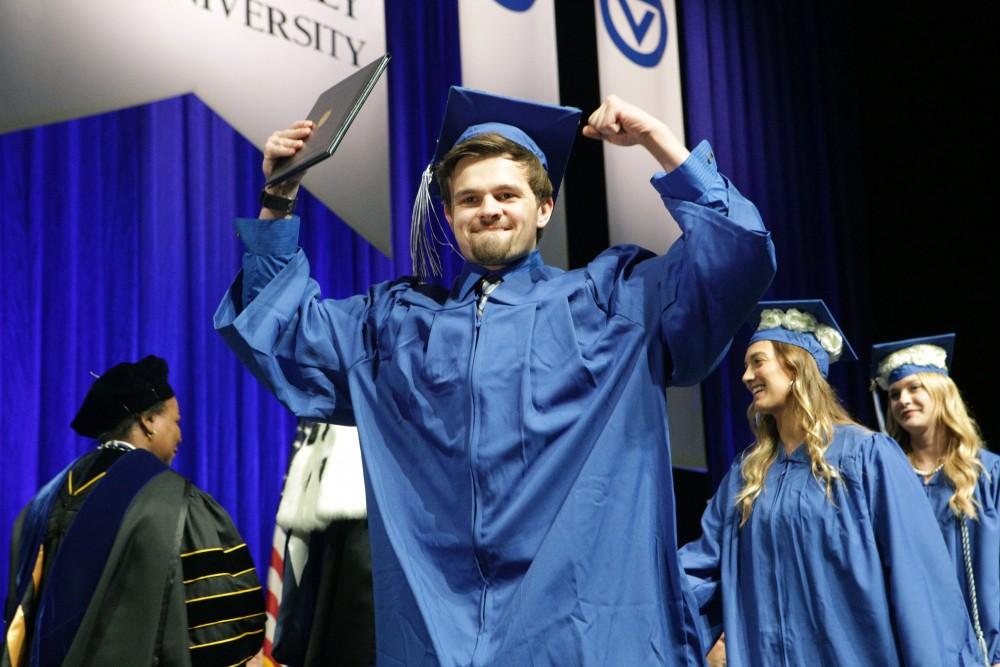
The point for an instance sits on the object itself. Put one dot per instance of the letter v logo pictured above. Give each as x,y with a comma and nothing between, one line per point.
638,28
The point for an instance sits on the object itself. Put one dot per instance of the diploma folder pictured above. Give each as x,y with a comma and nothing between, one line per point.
332,115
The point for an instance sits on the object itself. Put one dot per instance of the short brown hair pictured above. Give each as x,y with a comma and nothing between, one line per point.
493,144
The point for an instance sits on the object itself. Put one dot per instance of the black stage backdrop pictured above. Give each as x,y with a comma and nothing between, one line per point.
864,133
861,131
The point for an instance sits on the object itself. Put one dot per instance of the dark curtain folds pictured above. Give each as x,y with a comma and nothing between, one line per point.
769,83
117,244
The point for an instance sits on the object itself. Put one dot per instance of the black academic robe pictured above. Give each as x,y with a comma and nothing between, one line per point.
326,614
327,617
121,561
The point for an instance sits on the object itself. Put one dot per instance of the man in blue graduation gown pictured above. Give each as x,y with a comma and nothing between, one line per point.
514,426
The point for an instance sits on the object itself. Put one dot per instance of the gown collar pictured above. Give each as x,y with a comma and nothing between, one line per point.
937,479
799,455
472,273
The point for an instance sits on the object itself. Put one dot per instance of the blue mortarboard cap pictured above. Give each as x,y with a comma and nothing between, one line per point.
808,324
894,361
547,130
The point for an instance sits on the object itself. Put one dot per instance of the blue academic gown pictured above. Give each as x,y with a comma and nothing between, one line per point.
864,581
984,544
517,464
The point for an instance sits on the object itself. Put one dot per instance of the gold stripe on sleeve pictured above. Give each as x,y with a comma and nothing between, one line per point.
224,641
220,574
222,595
203,551
227,620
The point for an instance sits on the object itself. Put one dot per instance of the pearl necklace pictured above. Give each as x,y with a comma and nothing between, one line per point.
926,473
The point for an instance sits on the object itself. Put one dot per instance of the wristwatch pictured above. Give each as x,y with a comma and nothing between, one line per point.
277,203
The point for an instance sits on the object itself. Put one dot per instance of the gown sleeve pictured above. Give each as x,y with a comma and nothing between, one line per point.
990,586
223,596
928,612
708,282
701,559
298,345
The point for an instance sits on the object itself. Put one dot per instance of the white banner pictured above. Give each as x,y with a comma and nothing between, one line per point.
509,48
637,54
259,64
638,58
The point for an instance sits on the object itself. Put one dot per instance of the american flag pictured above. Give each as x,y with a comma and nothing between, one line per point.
276,570
275,575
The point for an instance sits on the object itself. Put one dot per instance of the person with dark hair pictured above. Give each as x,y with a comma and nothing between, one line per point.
818,547
929,419
514,426
118,560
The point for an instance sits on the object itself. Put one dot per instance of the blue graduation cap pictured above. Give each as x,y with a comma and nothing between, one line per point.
894,361
547,131
807,324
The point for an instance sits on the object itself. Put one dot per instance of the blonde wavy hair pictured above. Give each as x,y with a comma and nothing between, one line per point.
817,407
963,441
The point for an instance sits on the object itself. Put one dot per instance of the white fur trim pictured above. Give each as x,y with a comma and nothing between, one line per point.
325,480
297,510
342,490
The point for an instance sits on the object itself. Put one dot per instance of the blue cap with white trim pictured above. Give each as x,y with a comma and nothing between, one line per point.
894,361
805,323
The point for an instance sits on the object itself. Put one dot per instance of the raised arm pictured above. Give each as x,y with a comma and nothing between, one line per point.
623,124
702,290
282,144
299,345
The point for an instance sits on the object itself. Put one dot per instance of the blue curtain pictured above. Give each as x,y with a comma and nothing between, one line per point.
769,84
117,244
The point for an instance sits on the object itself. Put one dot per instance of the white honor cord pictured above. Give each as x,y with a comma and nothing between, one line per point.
974,603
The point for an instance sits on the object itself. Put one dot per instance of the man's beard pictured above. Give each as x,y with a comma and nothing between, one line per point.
489,250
